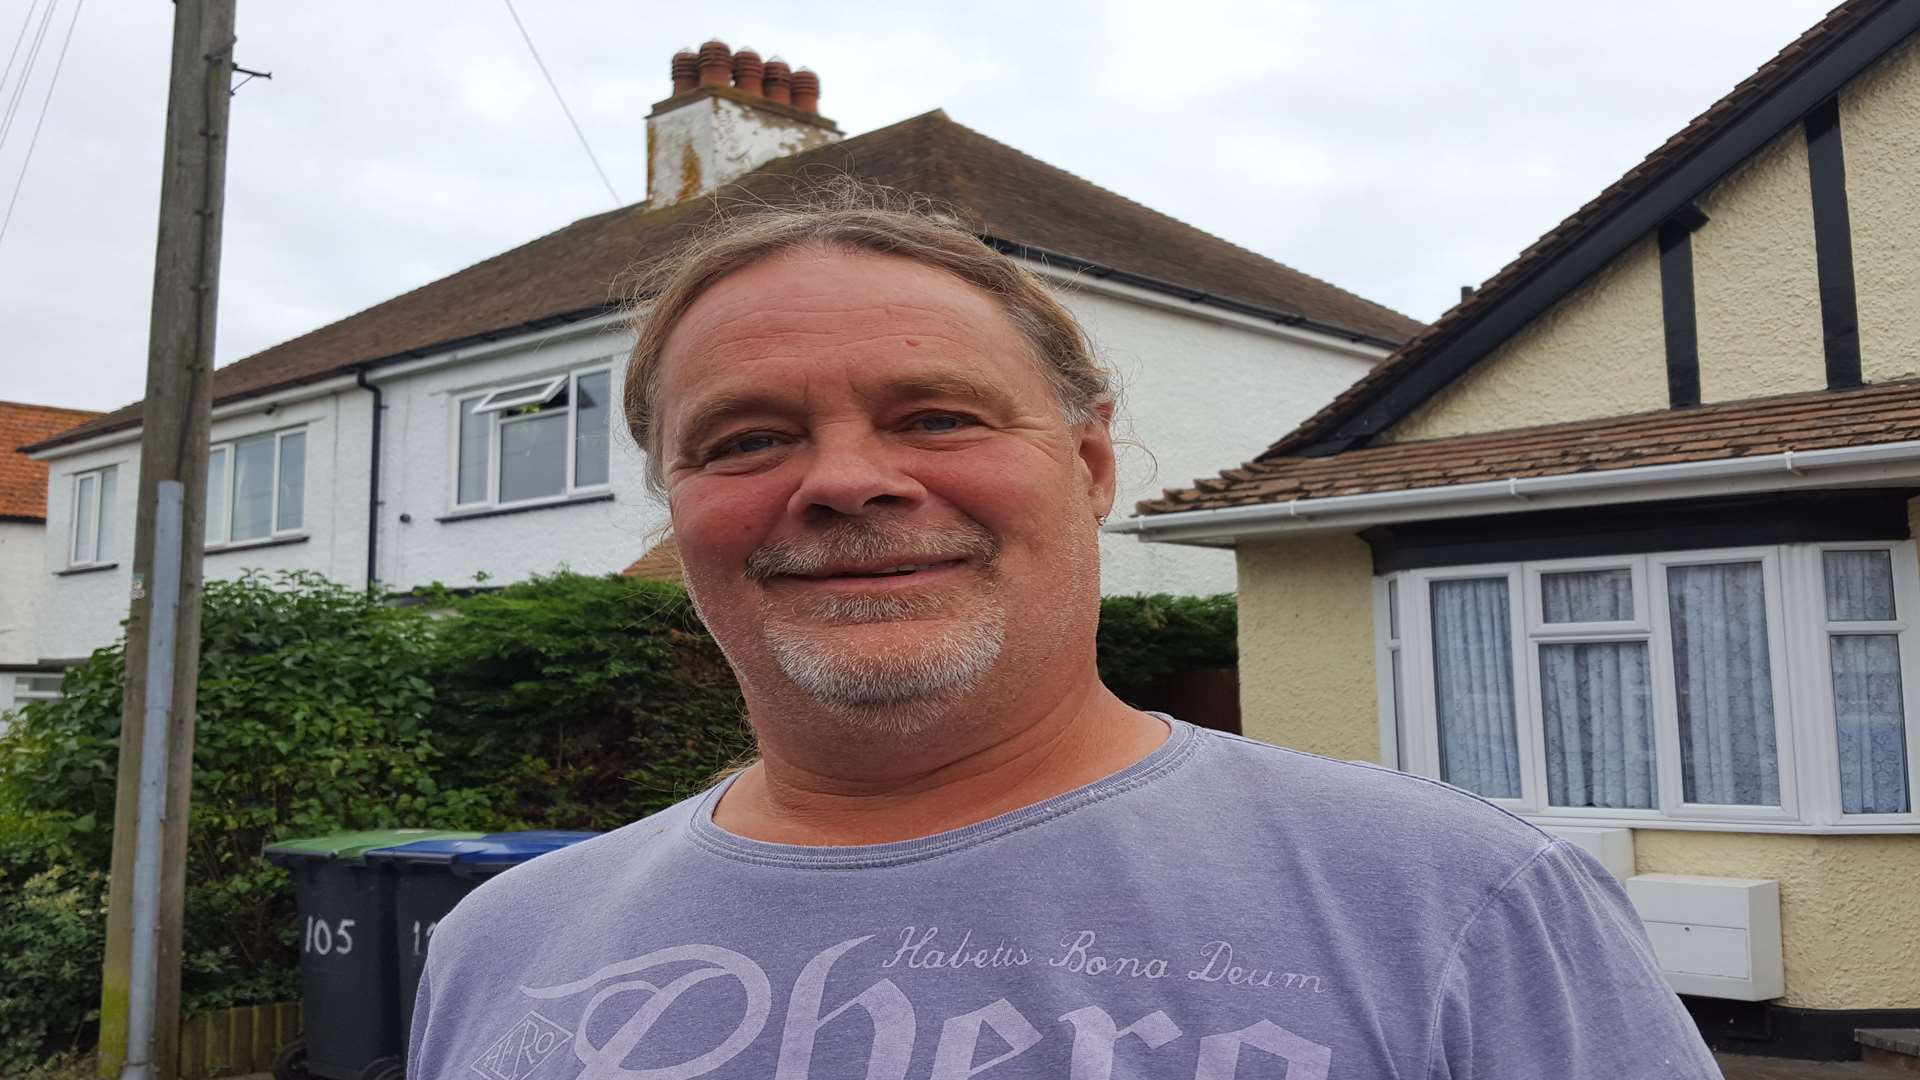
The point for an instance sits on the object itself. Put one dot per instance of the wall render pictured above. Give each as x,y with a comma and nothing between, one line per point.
1306,646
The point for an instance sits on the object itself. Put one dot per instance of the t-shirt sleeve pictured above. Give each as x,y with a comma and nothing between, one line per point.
1554,977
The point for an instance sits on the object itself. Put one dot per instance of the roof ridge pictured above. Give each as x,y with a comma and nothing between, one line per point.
1382,308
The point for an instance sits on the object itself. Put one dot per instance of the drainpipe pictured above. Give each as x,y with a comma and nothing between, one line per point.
373,478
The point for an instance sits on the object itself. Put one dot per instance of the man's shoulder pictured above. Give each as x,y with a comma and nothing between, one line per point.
551,889
1363,811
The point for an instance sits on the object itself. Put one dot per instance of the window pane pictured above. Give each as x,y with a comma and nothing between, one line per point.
1869,713
39,687
253,488
474,432
1393,610
83,507
1473,686
293,480
217,496
1597,704
1587,596
109,489
1859,586
1723,676
590,431
533,457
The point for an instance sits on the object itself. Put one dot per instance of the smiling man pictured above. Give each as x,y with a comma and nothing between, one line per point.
886,450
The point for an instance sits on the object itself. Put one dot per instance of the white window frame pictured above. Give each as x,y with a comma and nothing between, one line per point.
223,508
94,504
1806,743
494,403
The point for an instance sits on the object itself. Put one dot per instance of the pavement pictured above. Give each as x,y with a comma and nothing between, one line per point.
1747,1067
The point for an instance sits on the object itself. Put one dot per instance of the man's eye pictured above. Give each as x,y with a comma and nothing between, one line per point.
745,444
938,422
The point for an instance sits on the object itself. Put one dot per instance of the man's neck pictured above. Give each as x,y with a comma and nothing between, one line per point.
918,786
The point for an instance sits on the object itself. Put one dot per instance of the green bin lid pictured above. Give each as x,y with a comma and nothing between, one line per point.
351,845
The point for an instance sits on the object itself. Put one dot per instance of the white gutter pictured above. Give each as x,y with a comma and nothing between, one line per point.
291,395
1838,467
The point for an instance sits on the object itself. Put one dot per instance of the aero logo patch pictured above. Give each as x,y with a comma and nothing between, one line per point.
516,1054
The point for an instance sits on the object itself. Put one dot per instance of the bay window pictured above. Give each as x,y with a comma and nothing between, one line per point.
544,439
1761,686
256,488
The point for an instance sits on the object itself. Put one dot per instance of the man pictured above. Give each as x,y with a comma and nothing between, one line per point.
886,453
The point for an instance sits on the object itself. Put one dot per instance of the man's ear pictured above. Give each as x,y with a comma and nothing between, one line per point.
1095,451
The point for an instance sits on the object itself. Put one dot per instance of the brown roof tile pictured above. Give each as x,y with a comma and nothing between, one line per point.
1702,128
1013,197
660,563
1882,413
23,481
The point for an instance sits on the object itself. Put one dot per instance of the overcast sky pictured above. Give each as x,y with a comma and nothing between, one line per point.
1398,148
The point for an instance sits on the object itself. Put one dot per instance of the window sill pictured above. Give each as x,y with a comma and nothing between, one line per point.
524,508
254,545
1760,826
90,568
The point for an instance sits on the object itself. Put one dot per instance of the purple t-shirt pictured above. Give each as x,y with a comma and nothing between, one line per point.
1222,909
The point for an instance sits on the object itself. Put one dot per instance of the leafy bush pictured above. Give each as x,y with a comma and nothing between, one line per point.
52,934
312,717
1144,639
584,702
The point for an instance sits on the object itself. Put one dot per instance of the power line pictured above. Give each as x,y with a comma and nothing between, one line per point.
26,73
584,145
21,181
18,38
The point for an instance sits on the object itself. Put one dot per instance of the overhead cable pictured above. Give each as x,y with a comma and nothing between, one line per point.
555,87
58,62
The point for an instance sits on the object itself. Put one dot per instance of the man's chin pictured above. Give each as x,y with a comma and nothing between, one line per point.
887,664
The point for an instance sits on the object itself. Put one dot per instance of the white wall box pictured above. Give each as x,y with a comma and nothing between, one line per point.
1714,936
1613,847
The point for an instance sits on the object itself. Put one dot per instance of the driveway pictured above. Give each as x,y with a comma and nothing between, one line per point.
1745,1067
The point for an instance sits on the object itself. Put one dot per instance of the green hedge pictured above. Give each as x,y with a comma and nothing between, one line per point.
563,702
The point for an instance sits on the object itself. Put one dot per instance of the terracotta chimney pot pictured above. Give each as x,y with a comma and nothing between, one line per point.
747,72
716,64
806,90
777,82
686,70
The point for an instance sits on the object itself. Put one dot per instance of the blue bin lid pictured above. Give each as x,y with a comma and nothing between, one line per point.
488,855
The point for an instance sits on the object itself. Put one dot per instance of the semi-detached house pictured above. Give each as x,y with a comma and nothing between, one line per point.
23,537
1625,542
469,428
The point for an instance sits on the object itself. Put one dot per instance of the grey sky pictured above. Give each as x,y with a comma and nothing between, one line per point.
1398,148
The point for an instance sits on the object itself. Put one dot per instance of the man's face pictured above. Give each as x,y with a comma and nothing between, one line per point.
876,496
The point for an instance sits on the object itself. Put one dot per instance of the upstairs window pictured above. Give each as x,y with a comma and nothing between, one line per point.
93,522
1737,686
545,439
256,488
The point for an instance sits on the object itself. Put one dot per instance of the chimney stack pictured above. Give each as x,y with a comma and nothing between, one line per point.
730,113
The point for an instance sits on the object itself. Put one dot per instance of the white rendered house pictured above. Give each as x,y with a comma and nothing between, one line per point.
467,432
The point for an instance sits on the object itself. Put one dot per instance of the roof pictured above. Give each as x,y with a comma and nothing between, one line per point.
1812,67
660,563
23,481
1018,201
1818,420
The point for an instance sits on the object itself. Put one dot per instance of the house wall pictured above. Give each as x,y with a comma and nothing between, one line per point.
1756,292
83,611
1174,370
593,537
1880,129
22,580
1601,351
1306,646
1849,921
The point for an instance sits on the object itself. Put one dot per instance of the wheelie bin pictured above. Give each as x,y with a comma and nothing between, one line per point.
431,876
345,908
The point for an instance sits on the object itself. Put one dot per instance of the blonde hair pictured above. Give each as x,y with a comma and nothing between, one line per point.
846,215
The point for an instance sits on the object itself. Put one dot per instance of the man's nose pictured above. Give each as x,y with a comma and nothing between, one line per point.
853,473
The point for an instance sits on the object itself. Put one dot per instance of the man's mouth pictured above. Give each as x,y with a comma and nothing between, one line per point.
885,570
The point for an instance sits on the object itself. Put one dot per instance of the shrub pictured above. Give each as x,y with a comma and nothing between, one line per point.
1144,639
312,717
584,702
53,935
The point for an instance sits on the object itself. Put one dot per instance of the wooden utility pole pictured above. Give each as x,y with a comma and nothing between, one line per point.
140,987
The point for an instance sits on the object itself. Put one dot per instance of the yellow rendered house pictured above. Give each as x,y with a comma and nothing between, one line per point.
1625,542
